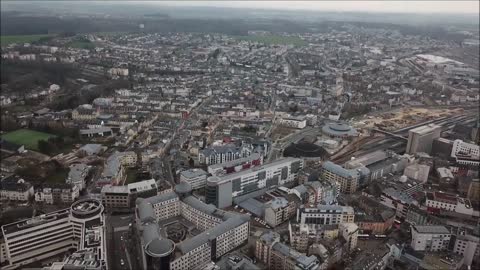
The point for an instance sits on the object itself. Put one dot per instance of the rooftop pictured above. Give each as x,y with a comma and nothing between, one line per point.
433,229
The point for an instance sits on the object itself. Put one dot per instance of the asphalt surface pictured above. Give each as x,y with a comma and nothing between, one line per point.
121,255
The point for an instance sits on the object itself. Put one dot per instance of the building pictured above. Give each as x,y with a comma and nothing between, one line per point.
114,169
338,130
222,154
15,189
466,153
420,139
294,122
279,210
417,172
195,177
79,227
125,196
468,245
430,238
77,175
220,232
445,176
57,194
278,256
221,190
345,179
314,217
255,159
349,232
439,201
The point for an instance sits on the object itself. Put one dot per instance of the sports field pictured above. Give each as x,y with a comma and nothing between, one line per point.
5,40
274,39
27,137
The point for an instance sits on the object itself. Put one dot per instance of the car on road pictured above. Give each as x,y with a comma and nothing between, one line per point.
122,262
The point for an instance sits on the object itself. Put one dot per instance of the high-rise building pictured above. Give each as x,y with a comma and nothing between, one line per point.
420,139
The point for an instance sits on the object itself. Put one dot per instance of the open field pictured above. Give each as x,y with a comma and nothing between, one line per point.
27,137
5,40
81,44
274,39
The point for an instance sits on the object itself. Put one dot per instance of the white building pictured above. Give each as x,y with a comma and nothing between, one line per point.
55,233
468,246
195,177
349,232
58,194
430,238
294,122
466,153
315,217
221,190
418,172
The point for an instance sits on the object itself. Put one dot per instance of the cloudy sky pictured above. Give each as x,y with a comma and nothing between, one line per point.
364,6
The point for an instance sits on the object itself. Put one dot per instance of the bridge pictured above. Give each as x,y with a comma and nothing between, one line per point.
390,134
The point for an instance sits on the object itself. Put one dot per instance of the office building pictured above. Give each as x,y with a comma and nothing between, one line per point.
345,179
79,227
420,139
221,190
431,238
220,232
255,159
195,177
466,153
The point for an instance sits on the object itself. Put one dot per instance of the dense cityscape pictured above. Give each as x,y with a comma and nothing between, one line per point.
353,146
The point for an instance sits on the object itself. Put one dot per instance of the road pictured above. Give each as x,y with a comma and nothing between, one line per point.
119,243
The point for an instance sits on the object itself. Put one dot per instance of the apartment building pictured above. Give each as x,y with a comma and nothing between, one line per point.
125,196
346,179
430,238
15,189
278,256
114,170
279,210
349,232
294,122
195,177
221,190
314,217
57,194
54,233
467,245
222,154
77,175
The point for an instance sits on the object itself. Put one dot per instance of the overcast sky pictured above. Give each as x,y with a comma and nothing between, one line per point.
368,6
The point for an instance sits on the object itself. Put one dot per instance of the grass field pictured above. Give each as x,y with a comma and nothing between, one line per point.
5,40
274,40
81,45
27,137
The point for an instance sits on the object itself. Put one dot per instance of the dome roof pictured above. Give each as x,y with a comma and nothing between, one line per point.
160,247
